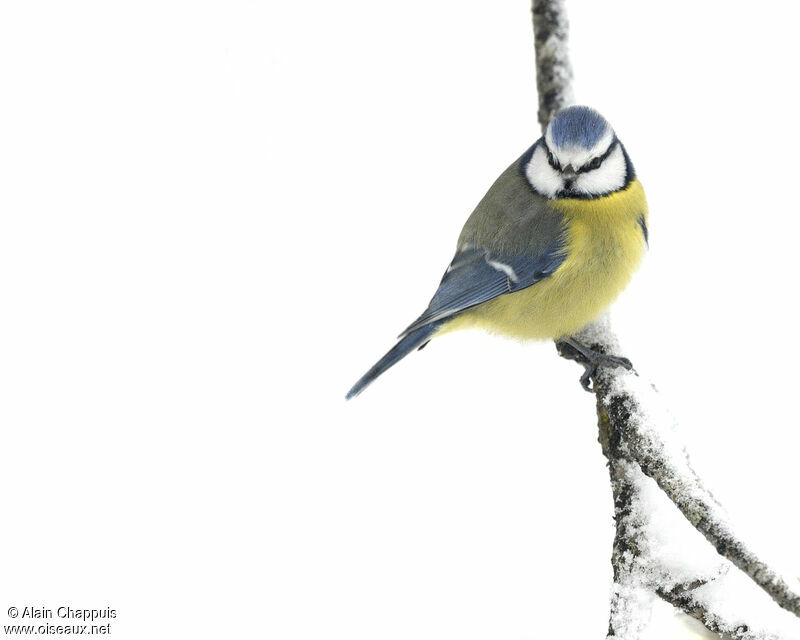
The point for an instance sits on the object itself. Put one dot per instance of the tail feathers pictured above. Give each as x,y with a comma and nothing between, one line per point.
416,339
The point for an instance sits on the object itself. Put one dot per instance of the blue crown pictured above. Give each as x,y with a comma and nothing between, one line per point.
578,127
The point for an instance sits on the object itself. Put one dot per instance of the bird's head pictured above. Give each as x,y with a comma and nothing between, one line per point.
579,156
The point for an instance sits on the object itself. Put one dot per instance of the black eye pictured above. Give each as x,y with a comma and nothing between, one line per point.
595,163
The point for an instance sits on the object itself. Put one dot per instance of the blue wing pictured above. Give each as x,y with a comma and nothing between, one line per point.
474,276
513,239
478,275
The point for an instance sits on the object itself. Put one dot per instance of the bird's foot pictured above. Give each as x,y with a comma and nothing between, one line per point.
592,360
590,368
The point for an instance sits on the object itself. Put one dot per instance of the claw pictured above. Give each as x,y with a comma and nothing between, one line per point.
587,374
592,359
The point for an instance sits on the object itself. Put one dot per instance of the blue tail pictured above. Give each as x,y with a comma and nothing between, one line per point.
413,340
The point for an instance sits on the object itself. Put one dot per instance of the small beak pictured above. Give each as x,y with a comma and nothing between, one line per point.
568,173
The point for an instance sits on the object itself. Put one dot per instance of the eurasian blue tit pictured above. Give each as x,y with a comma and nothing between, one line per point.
549,247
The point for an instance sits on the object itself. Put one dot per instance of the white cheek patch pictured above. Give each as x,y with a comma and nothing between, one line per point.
608,177
542,176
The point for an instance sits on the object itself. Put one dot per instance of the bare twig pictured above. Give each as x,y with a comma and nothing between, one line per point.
553,71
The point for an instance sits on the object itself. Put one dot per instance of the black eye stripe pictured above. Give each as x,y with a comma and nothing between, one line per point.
553,162
551,159
599,159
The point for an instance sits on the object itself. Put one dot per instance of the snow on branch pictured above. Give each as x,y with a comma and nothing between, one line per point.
640,430
656,552
645,560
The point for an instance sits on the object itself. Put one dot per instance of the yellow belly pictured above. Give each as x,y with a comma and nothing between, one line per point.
605,245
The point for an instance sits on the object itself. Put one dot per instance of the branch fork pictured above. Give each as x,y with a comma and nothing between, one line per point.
655,489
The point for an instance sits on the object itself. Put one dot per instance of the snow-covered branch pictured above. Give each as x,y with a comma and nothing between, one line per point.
644,560
640,430
650,471
658,552
725,606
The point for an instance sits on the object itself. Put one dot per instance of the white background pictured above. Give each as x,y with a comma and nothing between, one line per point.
215,216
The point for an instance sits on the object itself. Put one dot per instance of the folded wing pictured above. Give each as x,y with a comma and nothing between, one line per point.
477,275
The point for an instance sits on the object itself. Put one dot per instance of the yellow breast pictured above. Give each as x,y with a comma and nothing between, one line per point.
605,244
